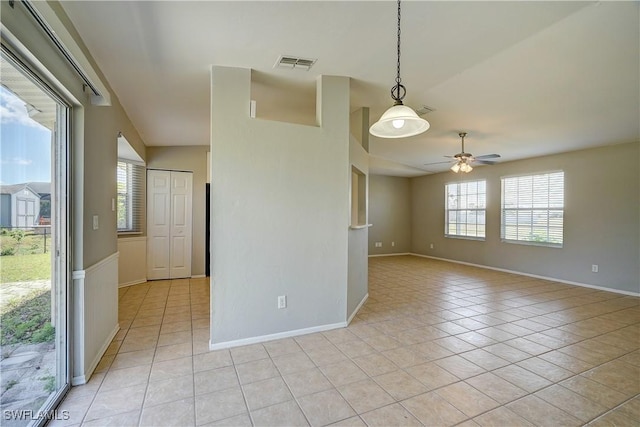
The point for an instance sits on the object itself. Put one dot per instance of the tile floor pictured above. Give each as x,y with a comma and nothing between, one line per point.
436,344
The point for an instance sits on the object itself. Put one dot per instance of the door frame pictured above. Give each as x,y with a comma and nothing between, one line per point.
150,234
61,145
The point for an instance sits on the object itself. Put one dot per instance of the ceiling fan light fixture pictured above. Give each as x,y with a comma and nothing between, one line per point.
456,167
399,121
466,167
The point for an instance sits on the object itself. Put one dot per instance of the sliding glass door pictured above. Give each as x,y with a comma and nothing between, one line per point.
33,246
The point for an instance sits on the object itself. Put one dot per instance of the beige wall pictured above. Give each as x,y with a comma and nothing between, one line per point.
91,187
102,125
358,265
190,159
390,214
279,214
602,219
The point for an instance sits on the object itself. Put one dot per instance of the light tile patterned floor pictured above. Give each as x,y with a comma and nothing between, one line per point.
437,344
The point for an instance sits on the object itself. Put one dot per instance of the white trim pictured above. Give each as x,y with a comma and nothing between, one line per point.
279,335
82,379
396,254
360,227
133,282
364,299
198,276
458,236
536,276
76,352
101,263
530,243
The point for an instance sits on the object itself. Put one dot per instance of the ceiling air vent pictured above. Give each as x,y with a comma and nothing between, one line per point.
289,61
424,110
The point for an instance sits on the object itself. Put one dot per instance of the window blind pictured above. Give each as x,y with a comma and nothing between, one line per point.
130,203
533,209
465,209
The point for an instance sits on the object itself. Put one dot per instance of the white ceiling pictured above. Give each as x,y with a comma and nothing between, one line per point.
522,78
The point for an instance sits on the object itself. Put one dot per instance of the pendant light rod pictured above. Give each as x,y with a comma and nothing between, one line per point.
399,121
398,92
462,135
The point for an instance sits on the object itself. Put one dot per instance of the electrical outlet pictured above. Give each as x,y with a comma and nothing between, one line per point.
95,222
378,244
393,244
594,268
431,246
282,301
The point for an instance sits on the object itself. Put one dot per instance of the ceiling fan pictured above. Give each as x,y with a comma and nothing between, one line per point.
462,161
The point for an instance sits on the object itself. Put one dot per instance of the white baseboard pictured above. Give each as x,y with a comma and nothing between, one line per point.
199,276
82,379
536,276
364,299
397,254
134,282
279,335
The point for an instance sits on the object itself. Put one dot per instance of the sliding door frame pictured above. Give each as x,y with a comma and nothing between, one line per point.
61,228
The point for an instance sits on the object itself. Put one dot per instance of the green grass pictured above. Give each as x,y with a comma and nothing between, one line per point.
28,319
25,319
24,242
24,268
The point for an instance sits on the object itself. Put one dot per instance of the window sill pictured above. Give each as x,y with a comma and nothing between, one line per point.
453,236
129,233
360,227
528,243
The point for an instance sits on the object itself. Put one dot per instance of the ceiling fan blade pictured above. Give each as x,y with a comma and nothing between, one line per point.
437,163
484,162
488,156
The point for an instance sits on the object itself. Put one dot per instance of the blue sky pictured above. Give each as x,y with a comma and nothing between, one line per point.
25,145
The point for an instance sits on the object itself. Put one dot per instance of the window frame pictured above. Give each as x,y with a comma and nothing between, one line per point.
135,196
447,210
548,209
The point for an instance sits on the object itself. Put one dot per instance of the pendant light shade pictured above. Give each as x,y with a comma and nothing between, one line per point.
399,121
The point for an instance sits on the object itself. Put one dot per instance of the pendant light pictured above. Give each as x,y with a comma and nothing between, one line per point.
399,121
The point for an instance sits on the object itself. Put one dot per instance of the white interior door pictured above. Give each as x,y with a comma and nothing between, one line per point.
169,198
158,224
180,232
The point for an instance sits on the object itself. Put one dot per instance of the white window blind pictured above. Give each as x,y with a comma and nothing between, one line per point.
465,209
130,206
533,209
